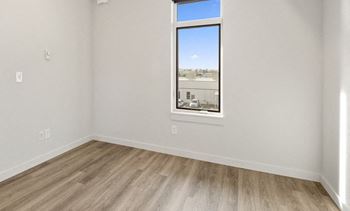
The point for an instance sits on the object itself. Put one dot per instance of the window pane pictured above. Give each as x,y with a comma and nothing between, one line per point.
198,10
198,68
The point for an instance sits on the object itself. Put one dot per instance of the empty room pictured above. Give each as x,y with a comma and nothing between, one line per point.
184,105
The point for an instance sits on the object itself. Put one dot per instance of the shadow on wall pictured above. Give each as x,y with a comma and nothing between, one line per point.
302,9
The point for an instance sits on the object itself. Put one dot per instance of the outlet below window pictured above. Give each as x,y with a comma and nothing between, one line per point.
41,135
47,134
174,130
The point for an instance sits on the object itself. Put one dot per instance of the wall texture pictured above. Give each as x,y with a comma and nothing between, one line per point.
55,94
272,84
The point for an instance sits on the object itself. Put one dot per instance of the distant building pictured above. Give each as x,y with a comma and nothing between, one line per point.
206,90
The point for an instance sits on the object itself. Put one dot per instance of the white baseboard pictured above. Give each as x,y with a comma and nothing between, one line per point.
262,167
334,195
273,169
331,191
4,175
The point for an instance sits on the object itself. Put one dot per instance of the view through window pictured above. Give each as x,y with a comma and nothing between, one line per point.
198,56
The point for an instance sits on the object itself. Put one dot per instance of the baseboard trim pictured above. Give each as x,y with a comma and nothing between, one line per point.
7,174
262,167
334,195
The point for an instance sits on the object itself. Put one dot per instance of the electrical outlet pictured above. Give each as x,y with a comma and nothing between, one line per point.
174,129
47,133
100,2
42,135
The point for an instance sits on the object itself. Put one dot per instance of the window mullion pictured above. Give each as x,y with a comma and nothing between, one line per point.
198,22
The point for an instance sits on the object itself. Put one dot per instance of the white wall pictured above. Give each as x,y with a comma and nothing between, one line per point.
272,83
55,94
336,160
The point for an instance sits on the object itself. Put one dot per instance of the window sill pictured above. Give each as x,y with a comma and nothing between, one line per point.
207,118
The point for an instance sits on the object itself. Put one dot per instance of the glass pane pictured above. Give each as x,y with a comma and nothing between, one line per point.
198,68
198,10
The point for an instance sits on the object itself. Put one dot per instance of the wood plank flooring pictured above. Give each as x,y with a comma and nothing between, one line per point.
101,176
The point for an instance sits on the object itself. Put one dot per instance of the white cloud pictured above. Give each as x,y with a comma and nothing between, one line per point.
194,56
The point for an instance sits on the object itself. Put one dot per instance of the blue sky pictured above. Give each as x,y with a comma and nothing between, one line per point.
198,47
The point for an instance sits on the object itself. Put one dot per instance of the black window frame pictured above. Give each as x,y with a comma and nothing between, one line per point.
177,67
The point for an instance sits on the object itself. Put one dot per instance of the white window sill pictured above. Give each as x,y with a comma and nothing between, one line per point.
197,117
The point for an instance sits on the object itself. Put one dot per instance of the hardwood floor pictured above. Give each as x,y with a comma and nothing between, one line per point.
100,176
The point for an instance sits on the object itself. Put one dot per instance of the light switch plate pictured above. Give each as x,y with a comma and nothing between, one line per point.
47,55
19,77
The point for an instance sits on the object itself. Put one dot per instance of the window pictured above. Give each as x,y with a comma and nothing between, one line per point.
196,10
197,44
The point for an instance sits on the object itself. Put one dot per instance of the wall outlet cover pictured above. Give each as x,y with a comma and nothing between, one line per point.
174,129
47,134
41,135
99,2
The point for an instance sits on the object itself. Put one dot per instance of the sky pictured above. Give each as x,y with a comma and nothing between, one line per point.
199,47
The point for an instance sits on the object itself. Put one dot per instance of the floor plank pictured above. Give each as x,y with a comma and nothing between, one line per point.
101,176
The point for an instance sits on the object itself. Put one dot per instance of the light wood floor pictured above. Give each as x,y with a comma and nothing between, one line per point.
100,176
